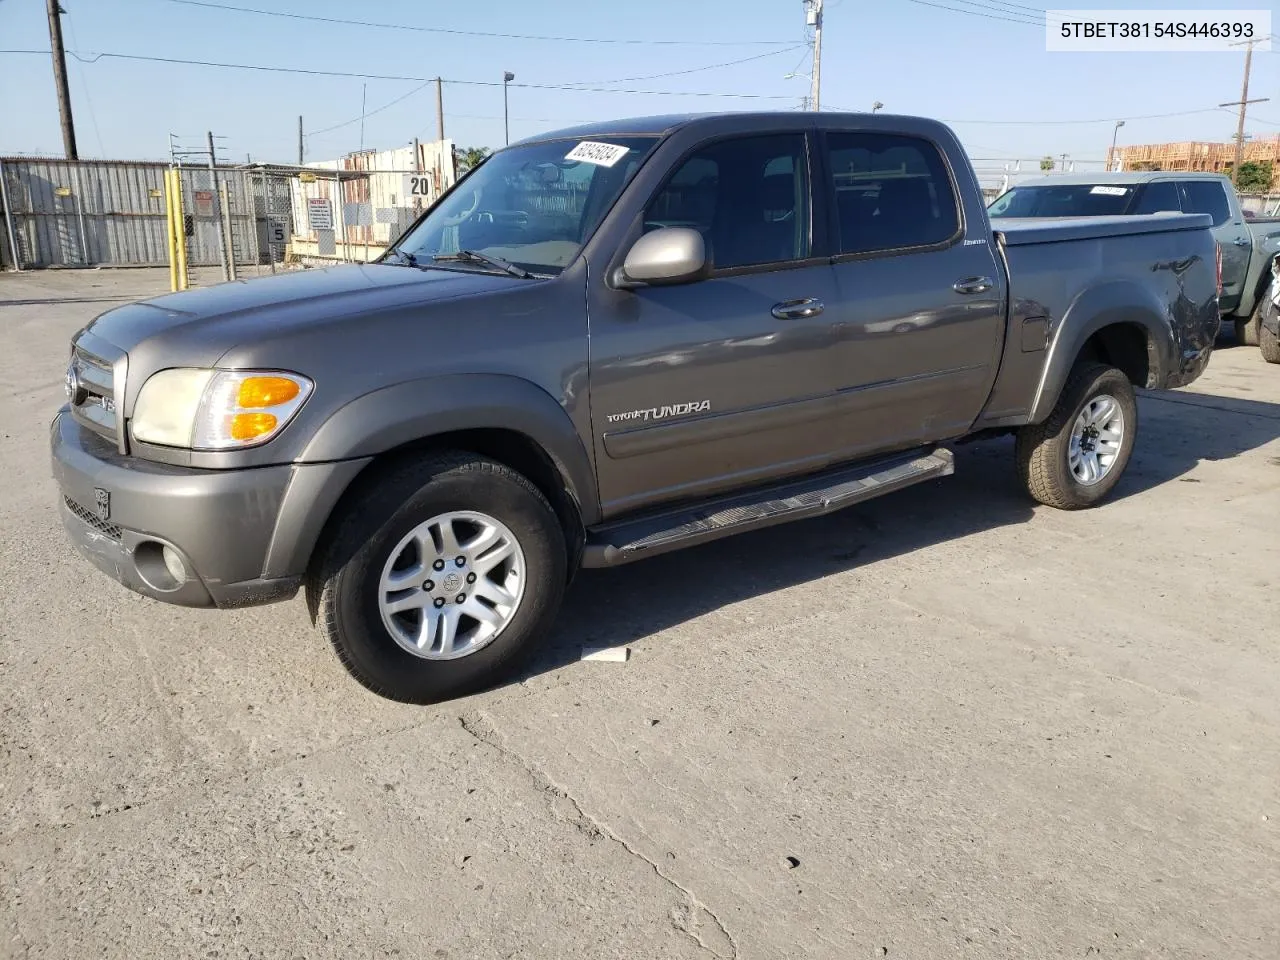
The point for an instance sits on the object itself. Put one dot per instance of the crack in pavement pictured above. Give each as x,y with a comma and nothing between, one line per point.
481,727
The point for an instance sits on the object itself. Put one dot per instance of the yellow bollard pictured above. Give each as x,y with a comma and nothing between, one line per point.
171,227
180,222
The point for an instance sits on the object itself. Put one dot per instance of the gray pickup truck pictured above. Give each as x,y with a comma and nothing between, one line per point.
1249,246
603,344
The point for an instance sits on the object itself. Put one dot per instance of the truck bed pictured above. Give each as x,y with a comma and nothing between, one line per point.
1018,232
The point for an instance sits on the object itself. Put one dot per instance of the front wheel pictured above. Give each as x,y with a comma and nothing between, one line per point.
439,576
1076,457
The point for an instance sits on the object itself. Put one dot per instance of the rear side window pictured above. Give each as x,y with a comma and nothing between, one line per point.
1206,196
1159,197
748,196
890,192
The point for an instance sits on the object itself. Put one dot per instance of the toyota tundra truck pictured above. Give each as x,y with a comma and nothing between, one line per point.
603,344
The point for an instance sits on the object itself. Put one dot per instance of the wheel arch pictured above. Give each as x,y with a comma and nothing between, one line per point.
1121,324
502,418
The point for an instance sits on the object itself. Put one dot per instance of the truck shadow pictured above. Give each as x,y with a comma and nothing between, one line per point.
627,604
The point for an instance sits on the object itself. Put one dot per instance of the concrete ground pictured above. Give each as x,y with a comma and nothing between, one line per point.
943,724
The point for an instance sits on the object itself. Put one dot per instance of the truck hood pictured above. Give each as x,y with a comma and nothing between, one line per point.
220,317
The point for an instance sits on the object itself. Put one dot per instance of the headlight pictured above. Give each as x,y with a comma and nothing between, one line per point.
217,409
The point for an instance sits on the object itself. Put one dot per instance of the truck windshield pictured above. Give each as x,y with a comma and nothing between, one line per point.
533,206
1063,200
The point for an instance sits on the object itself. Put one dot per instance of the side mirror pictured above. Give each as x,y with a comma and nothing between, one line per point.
669,255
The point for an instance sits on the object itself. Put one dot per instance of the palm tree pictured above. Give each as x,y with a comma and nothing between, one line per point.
469,157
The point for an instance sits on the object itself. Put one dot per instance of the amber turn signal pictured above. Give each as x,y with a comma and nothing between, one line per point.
257,392
247,426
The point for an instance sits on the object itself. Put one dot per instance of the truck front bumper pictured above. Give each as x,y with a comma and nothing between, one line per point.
197,538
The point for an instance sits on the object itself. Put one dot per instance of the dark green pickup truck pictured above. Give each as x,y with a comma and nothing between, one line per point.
1249,246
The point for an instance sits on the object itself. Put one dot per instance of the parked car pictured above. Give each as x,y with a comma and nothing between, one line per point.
697,326
1249,245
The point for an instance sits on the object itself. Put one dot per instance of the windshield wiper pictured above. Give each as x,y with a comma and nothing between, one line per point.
407,259
471,256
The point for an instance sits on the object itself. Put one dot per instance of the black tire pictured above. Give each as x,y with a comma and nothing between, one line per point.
343,588
1247,330
1269,344
1043,449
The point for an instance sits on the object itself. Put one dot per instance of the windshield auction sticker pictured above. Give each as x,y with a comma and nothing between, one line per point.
601,154
1116,31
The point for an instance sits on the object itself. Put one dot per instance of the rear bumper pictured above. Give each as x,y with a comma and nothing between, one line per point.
239,537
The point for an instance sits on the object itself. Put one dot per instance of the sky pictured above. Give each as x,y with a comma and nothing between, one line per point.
980,66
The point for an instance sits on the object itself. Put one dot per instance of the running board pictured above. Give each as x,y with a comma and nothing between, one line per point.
617,543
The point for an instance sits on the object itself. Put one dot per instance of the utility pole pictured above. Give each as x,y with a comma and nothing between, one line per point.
299,141
813,17
439,110
364,99
1243,104
227,273
60,80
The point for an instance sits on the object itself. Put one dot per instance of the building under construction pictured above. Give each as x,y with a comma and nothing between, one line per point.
1208,157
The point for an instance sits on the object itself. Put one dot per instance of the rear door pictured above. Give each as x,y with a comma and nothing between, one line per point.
1231,232
719,383
921,308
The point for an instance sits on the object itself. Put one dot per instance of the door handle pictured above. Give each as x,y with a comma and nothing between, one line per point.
973,285
1241,241
797,309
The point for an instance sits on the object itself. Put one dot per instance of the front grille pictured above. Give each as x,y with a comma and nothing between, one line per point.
94,405
93,520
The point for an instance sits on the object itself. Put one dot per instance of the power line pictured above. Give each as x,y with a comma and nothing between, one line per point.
474,33
710,66
569,87
985,16
424,84
376,110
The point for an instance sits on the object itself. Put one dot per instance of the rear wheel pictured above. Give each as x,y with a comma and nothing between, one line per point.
1248,332
439,577
1269,344
1077,456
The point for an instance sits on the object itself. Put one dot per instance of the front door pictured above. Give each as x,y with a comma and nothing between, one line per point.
715,384
920,307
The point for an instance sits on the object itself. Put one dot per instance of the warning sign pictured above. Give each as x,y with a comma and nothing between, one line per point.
319,214
204,203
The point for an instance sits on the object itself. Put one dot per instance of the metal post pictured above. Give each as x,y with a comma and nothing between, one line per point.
340,213
299,141
1114,133
251,217
217,212
60,80
228,238
84,239
8,222
268,200
507,77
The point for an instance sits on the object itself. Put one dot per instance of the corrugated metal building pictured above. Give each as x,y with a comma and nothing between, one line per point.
60,213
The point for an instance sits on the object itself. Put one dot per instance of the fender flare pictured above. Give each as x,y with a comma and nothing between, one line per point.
392,416
1108,304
